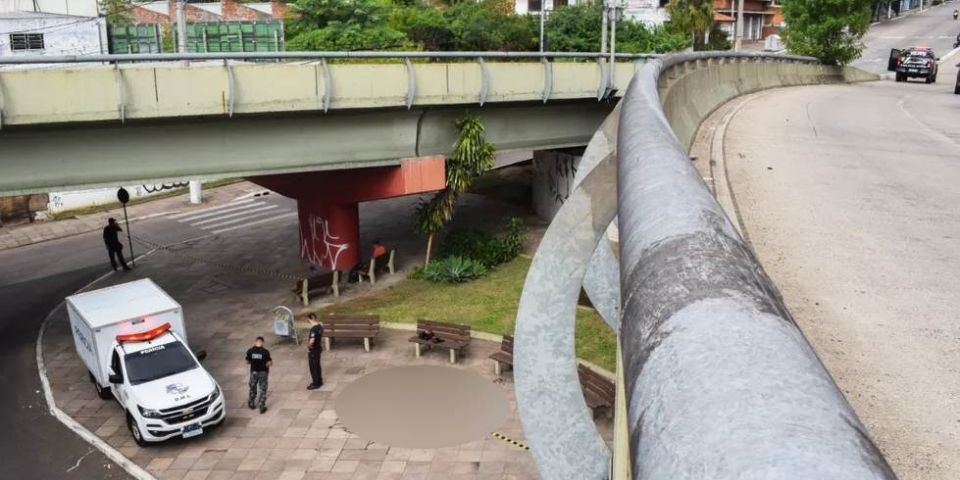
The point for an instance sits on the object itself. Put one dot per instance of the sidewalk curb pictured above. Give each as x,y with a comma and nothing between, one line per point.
723,191
129,466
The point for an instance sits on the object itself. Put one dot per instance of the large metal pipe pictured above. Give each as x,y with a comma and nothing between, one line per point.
720,381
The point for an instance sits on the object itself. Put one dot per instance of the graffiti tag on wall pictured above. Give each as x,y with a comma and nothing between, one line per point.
330,246
160,187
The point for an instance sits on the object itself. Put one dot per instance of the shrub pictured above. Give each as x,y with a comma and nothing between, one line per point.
483,247
453,269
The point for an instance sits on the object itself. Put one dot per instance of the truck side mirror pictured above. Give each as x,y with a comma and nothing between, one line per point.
201,354
114,378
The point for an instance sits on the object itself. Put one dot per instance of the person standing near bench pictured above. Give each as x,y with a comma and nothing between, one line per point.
260,363
111,238
314,347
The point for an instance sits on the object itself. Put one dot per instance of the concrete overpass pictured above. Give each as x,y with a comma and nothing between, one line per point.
100,124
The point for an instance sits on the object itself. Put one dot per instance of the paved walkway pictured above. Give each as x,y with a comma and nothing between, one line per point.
300,435
16,235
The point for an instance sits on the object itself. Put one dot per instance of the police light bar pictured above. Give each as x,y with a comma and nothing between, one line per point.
144,336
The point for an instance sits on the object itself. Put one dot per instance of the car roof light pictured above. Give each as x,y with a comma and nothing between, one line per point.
144,336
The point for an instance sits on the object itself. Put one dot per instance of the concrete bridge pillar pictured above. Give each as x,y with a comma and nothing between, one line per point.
329,232
553,183
328,203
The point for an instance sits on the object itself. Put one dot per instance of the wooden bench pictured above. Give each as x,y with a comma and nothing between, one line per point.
350,326
375,265
328,282
598,391
453,336
504,356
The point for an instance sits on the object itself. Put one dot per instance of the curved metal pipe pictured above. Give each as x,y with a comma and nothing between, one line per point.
721,384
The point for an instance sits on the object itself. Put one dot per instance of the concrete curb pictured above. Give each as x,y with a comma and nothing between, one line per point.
721,180
129,466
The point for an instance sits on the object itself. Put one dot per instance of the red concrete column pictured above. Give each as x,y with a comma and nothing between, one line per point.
329,233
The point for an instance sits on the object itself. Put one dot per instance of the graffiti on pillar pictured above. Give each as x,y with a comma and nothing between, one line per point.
319,232
560,177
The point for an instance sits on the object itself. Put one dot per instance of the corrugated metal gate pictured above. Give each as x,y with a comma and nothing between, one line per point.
140,38
234,37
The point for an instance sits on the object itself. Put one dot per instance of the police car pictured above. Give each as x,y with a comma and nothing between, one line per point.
917,62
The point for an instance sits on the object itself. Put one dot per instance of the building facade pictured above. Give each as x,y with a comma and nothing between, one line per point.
164,12
39,33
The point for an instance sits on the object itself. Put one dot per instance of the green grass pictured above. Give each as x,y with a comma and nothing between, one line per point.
488,304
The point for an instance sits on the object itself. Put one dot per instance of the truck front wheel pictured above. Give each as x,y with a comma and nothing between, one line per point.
135,432
102,392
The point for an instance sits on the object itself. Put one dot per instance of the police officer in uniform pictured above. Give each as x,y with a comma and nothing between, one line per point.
314,347
260,362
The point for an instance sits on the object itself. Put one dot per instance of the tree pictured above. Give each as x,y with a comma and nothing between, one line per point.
344,25
830,30
694,17
424,26
472,156
576,28
117,12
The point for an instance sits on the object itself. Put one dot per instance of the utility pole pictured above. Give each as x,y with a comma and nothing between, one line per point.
603,29
737,44
543,21
181,28
613,44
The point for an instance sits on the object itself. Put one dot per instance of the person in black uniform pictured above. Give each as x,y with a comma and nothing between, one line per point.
260,363
314,347
111,237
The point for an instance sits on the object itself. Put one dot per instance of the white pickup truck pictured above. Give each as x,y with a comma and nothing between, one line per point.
132,340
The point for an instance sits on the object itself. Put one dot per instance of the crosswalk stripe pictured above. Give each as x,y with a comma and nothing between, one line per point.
211,209
216,221
266,220
243,219
193,219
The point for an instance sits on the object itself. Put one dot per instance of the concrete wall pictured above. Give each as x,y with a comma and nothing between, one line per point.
74,199
62,35
690,92
82,8
96,93
555,170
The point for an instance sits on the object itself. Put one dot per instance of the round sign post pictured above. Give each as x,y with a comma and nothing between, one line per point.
124,196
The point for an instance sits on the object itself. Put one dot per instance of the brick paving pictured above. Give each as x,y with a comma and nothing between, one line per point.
299,437
17,235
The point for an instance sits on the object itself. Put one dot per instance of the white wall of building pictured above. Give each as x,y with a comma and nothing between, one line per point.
522,7
62,35
647,12
80,8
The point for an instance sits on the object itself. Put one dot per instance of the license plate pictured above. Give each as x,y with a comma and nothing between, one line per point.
912,70
192,430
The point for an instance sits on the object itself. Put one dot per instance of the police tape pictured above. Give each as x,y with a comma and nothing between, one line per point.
511,441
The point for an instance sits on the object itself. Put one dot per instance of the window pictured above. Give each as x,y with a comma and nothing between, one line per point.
158,362
533,5
26,41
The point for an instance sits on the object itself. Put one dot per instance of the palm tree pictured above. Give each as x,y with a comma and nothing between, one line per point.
472,156
694,16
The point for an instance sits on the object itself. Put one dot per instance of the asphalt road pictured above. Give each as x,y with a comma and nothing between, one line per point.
849,196
33,280
934,28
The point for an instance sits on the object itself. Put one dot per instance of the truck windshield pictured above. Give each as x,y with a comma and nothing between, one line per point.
158,362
